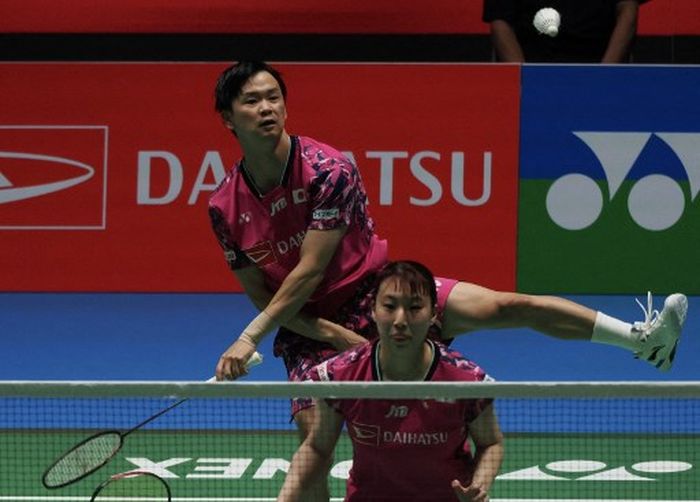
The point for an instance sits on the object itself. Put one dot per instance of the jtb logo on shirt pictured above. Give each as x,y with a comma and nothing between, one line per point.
298,197
397,411
278,205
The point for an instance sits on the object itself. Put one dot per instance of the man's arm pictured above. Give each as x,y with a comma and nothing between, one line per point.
488,440
283,307
624,32
505,42
316,328
316,252
314,456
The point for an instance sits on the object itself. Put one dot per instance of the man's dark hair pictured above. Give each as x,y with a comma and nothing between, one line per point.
233,78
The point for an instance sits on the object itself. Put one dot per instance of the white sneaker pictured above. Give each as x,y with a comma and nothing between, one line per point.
659,332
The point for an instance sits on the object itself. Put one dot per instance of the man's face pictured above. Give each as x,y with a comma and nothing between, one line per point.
259,110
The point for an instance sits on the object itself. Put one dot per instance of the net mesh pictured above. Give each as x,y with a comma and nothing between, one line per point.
583,442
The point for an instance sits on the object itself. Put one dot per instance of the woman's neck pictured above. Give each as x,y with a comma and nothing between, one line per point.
405,367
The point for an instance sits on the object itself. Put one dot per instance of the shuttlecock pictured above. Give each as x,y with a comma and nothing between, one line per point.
547,21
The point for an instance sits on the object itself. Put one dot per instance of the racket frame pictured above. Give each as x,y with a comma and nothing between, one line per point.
254,360
76,447
130,474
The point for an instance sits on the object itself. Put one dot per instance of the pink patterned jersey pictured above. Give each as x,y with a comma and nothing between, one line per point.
405,449
320,190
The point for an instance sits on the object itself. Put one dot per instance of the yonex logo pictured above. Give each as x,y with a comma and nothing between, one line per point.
575,470
594,470
656,201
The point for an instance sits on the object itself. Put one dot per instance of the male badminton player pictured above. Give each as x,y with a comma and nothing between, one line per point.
292,219
403,449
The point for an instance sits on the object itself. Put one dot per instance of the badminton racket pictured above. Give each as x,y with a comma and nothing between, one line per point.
97,450
132,485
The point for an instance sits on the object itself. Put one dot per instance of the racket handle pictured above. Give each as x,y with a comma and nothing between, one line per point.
255,359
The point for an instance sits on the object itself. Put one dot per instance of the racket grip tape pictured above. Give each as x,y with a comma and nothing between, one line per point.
255,359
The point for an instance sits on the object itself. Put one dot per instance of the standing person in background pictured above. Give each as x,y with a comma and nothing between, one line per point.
419,449
292,220
591,31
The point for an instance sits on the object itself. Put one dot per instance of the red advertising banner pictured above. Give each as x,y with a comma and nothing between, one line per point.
242,16
669,17
105,169
658,17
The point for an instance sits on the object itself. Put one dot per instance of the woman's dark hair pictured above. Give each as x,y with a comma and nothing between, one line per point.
233,78
419,278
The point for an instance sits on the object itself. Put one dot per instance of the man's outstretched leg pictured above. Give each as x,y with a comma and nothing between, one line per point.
470,307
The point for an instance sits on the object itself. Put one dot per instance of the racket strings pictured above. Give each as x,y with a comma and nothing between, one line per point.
83,459
96,451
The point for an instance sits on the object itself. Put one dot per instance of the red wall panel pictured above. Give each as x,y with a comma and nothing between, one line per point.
436,146
659,17
670,17
241,16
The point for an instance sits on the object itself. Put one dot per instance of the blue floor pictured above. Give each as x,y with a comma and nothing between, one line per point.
180,336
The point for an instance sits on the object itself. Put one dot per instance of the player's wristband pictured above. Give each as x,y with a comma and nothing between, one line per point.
245,338
257,329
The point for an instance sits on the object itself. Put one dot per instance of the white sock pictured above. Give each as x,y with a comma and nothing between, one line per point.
611,331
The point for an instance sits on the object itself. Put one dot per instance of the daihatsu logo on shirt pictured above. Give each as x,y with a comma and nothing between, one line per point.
365,434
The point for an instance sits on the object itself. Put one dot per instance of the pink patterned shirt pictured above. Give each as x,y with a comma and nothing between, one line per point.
320,190
405,449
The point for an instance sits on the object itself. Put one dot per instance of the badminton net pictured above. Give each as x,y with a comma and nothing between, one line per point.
564,441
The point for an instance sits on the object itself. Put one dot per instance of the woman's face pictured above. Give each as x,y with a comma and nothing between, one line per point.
402,316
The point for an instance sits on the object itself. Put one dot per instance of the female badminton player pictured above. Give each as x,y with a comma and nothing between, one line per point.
403,449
